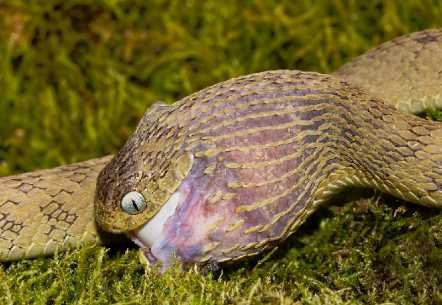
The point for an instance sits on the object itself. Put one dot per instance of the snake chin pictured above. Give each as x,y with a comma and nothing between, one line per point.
184,228
193,229
147,236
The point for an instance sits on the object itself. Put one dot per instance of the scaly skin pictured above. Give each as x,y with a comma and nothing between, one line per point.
251,158
48,209
404,72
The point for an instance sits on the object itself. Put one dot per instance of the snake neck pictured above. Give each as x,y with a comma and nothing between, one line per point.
395,153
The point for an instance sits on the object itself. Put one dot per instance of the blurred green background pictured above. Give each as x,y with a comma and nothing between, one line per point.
75,77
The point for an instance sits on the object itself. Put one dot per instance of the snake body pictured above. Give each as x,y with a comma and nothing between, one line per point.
246,161
48,209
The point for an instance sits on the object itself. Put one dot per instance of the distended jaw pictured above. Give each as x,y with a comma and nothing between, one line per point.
146,236
190,229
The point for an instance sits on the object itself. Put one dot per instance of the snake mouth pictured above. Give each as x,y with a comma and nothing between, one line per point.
152,233
152,259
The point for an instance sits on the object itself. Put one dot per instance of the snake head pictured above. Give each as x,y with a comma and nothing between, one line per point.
214,177
142,176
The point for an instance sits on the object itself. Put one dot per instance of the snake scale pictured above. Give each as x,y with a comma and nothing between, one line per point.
234,168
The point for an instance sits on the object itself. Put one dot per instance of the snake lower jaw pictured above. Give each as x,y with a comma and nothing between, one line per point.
182,230
150,234
144,249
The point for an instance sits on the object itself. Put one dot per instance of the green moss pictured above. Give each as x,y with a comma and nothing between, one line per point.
367,252
77,75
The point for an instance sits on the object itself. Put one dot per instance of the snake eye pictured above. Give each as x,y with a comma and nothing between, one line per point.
133,203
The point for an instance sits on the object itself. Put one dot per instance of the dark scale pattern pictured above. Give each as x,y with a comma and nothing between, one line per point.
9,202
9,225
28,187
39,211
54,210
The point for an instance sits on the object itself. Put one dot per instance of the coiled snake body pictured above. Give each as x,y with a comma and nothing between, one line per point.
230,170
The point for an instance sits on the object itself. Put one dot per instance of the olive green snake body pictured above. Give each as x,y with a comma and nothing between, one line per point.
356,129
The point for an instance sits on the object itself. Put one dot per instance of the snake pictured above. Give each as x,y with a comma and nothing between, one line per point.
234,169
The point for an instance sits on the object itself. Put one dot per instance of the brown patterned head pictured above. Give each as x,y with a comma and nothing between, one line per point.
141,177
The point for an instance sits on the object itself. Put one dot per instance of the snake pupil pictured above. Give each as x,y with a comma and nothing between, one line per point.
135,205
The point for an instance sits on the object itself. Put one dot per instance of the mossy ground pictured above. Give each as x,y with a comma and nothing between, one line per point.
77,75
